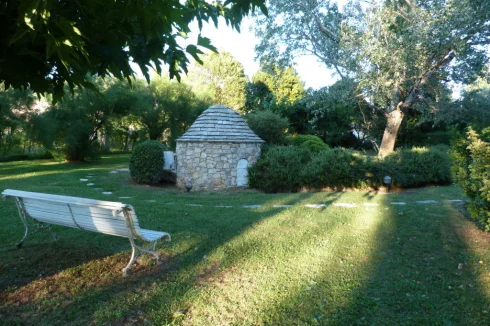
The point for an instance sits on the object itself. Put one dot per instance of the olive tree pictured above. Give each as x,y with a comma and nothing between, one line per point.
401,53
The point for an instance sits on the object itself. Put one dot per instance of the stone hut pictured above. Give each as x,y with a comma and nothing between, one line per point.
216,151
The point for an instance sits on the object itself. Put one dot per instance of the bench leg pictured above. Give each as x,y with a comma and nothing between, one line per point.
39,227
138,251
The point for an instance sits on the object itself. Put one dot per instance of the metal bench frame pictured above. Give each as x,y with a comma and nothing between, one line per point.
40,226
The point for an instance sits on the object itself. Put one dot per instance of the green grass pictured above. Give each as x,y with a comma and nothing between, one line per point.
380,265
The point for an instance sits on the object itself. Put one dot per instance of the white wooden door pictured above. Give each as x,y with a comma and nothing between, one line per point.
242,173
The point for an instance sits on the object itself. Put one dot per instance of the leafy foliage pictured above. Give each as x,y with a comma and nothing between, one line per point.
310,142
401,53
342,168
419,166
46,43
269,126
279,169
71,129
470,170
15,113
335,112
166,108
222,78
283,83
146,163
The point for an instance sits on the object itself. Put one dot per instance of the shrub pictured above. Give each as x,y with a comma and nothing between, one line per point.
269,126
279,169
418,166
146,163
337,168
312,143
293,167
471,160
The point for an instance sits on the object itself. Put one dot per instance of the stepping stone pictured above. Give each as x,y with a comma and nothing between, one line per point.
398,203
113,172
124,197
221,206
84,180
91,174
88,176
97,188
345,205
107,192
151,201
169,203
430,201
252,206
455,200
194,205
370,204
315,205
90,184
282,206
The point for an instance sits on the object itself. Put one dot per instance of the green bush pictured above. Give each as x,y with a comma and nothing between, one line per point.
289,169
337,168
146,163
471,161
312,143
418,166
269,126
279,169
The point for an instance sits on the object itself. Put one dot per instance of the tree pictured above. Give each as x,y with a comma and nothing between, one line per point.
401,53
16,108
44,44
284,83
222,78
72,128
335,114
167,108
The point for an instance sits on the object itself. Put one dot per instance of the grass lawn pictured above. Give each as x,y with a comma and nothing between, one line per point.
372,264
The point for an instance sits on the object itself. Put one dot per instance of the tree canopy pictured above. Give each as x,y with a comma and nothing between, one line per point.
222,78
401,53
45,43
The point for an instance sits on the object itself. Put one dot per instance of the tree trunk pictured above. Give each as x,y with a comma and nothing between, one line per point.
393,121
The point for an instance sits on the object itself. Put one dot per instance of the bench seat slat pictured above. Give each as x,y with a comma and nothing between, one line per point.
64,199
76,210
150,235
113,227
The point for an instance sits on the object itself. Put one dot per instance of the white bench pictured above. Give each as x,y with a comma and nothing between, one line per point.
85,214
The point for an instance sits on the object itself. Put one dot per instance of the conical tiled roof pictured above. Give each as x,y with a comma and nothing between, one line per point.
222,125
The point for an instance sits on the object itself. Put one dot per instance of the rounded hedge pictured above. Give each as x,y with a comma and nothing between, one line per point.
310,142
269,126
279,169
146,163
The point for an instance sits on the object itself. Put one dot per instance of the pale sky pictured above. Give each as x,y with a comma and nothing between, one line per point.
241,46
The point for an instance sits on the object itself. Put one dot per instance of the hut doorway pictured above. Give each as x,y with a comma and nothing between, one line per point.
242,173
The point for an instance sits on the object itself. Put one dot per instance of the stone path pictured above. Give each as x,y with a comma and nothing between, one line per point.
255,206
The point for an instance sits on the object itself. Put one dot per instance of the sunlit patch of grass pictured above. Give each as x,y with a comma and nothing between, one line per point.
287,263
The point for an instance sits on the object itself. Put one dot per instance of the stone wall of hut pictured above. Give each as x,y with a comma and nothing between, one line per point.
212,165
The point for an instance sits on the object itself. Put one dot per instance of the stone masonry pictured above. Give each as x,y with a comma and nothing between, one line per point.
212,166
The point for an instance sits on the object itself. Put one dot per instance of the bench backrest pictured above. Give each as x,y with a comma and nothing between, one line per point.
87,214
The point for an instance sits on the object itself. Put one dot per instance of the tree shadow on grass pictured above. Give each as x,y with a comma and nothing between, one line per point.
93,283
411,277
